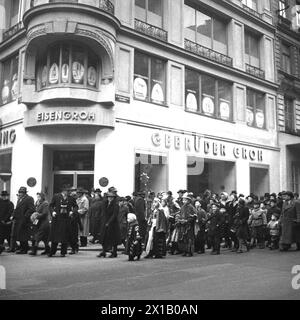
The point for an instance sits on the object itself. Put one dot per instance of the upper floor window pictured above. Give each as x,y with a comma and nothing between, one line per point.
150,11
205,30
283,5
255,113
285,58
251,4
9,79
208,95
67,64
289,114
252,49
149,78
13,12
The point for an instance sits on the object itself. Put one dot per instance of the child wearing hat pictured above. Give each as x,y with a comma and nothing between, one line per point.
257,222
133,239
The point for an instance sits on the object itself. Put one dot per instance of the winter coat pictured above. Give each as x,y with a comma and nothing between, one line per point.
273,210
240,222
6,211
288,222
257,218
60,224
122,218
22,213
214,223
110,234
296,229
83,208
42,228
95,215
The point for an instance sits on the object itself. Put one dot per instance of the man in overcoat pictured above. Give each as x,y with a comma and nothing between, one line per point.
287,221
22,213
6,211
296,230
61,207
110,235
83,208
140,212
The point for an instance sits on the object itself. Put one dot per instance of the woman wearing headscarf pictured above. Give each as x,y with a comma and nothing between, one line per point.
41,226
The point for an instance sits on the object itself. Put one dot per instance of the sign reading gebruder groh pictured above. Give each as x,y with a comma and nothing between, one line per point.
95,115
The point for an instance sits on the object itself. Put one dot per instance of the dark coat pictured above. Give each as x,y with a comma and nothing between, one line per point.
296,230
95,215
287,222
240,222
6,211
140,212
60,224
24,209
110,234
122,218
214,223
42,229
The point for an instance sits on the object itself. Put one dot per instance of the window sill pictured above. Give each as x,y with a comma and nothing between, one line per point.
207,116
150,102
8,102
254,127
67,86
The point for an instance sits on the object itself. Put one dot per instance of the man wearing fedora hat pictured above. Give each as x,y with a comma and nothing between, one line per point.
22,213
6,211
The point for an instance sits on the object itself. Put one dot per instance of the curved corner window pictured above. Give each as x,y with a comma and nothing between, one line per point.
67,65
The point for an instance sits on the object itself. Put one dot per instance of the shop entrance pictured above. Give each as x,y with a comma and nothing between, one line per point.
259,180
73,168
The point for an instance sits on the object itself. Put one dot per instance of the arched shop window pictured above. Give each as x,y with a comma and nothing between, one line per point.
67,64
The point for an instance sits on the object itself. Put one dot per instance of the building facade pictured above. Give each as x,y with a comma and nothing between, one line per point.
148,94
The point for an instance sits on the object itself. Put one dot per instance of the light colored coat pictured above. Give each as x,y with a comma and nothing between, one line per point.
83,208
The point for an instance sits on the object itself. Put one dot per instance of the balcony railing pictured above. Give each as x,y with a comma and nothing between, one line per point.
256,72
286,23
12,31
150,30
105,5
207,53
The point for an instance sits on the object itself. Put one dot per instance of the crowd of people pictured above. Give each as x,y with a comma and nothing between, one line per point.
156,224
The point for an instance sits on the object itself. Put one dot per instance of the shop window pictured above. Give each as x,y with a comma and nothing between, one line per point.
149,78
252,49
289,115
64,64
215,175
208,95
255,113
285,58
5,171
9,80
259,180
206,30
150,11
251,4
151,172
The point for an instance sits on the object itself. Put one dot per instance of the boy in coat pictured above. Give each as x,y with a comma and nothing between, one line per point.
133,239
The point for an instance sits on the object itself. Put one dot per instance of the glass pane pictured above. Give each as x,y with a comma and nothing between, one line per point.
5,163
141,76
6,82
190,23
191,89
208,87
140,9
250,98
141,3
14,78
141,65
92,76
85,181
155,13
54,65
73,160
225,99
42,71
220,36
77,65
14,12
204,29
61,180
157,80
65,65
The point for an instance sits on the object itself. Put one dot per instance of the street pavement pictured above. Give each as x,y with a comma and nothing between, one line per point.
258,274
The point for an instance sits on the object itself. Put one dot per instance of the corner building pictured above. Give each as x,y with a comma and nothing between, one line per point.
151,94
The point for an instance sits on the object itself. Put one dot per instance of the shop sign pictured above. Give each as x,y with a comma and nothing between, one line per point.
65,73
225,110
157,94
53,74
65,115
31,182
103,182
7,137
249,117
206,147
122,98
208,105
92,76
260,119
77,72
191,102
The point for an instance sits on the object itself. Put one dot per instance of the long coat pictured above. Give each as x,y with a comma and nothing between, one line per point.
6,211
24,209
95,215
60,224
110,234
296,230
240,222
83,208
287,222
42,229
140,212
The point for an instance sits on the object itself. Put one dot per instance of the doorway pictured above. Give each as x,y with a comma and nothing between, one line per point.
259,180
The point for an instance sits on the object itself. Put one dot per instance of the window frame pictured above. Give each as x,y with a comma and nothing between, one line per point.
255,108
285,57
11,60
147,13
149,78
249,36
217,100
289,115
283,8
70,45
213,19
